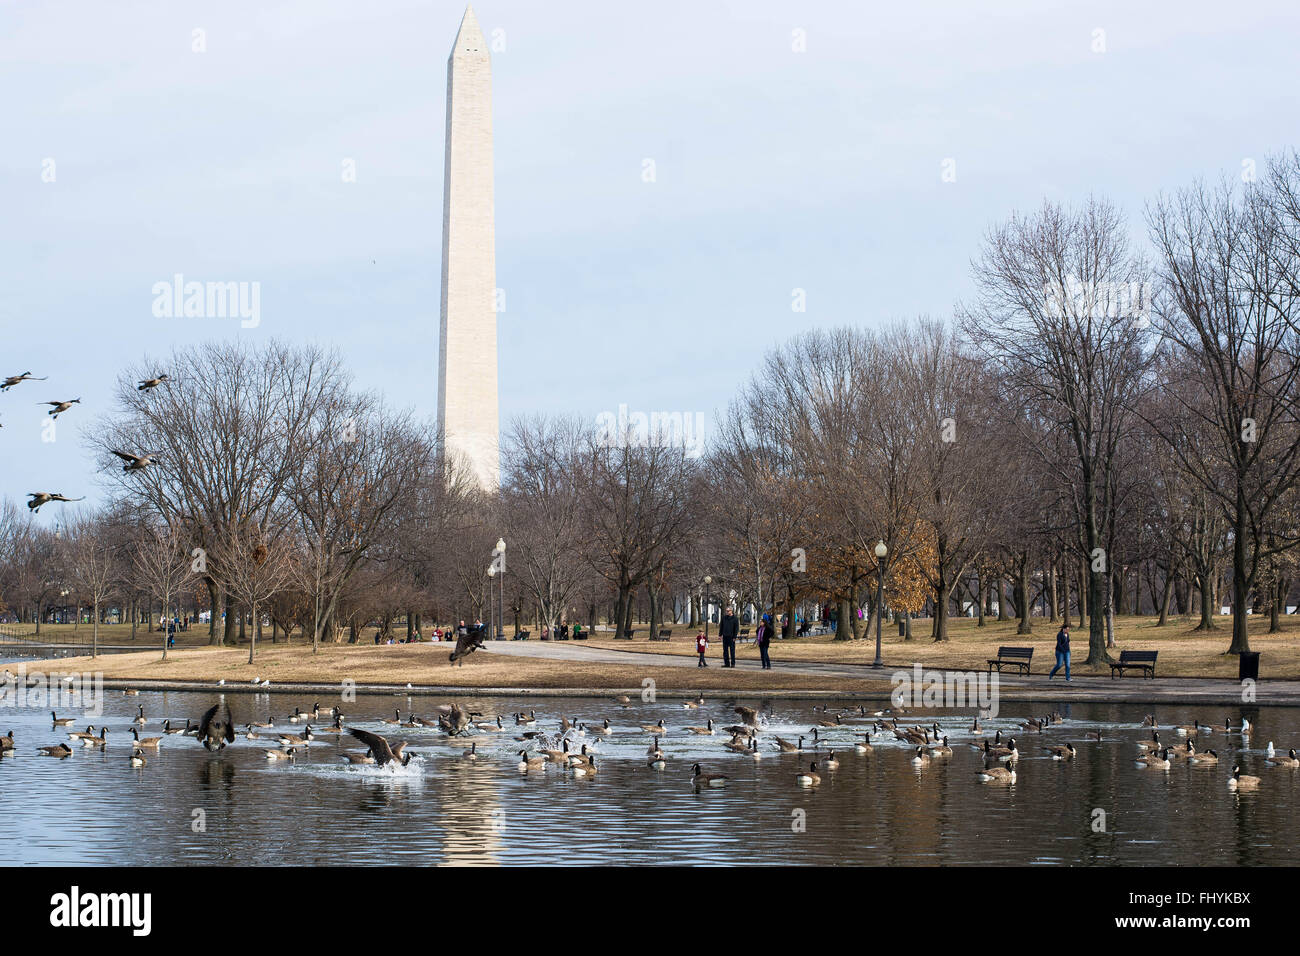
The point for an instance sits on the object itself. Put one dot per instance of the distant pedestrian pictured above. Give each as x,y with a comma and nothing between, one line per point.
1062,653
702,645
762,637
729,629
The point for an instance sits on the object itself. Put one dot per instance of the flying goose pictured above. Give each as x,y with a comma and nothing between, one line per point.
809,777
149,383
150,743
60,721
1290,760
216,728
58,408
44,497
13,380
136,462
55,750
707,729
702,779
381,749
467,644
1240,781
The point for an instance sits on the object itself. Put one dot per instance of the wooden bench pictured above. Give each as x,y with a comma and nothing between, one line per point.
665,634
579,635
1142,660
742,635
626,635
522,636
1012,657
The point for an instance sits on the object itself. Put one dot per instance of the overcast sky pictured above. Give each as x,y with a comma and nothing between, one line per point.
129,157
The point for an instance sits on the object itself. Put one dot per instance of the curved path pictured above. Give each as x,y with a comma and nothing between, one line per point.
1166,690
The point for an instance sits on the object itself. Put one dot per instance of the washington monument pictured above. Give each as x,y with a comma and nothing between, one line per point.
467,372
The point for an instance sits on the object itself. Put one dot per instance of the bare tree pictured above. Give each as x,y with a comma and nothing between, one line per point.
160,566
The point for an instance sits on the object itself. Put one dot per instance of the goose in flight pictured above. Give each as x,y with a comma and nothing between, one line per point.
39,498
468,643
149,383
13,380
380,748
58,408
135,462
217,729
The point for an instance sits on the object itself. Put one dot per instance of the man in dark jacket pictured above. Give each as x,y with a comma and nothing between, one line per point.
1062,653
728,629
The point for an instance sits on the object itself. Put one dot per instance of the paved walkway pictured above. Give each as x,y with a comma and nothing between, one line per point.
1169,690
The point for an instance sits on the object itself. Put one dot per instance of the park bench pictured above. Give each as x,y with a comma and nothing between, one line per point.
626,635
522,636
665,634
1142,660
579,635
1012,657
742,635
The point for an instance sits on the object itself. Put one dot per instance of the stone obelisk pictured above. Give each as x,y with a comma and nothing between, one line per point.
467,379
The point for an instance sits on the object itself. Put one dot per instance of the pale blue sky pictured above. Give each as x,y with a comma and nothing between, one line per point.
775,170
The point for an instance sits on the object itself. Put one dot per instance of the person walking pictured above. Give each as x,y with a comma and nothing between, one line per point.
702,645
1062,653
762,637
729,628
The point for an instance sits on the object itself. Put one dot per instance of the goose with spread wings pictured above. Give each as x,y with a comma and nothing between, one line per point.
135,462
468,643
217,729
380,748
13,380
39,498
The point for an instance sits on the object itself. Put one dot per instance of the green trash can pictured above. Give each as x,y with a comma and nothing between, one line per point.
1248,666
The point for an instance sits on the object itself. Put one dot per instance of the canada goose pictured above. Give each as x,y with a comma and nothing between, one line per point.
654,750
738,745
574,760
587,769
701,779
293,740
7,742
1062,753
996,775
1006,754
60,721
786,747
520,719
169,729
13,380
1209,756
467,643
357,757
1193,730
422,721
753,749
1240,781
408,723
829,721
148,743
527,763
55,750
1156,761
137,757
455,721
472,753
101,741
975,729
748,715
216,729
707,729
39,498
1152,745
251,734
559,756
1150,721
149,383
623,699
1244,729
336,728
603,729
941,749
809,777
1182,750
82,734
693,704
287,754
997,742
658,728
921,758
863,746
139,463
139,718
829,762
395,721
1290,760
130,692
657,762
381,749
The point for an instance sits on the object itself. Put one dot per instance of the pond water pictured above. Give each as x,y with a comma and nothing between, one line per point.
94,808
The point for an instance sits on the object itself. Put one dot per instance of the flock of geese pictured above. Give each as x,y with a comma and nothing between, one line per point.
36,499
572,745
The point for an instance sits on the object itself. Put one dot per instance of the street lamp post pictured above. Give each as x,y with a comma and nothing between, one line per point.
881,551
500,565
708,579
